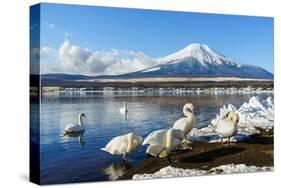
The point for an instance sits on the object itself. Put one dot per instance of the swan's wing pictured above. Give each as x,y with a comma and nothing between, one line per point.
156,141
68,126
180,124
176,142
225,127
184,124
222,124
117,145
73,128
219,126
156,137
178,134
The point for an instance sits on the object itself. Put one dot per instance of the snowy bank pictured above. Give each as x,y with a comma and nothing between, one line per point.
224,169
253,115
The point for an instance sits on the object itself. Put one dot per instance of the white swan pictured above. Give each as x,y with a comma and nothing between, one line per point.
161,142
187,123
124,144
227,127
124,109
74,128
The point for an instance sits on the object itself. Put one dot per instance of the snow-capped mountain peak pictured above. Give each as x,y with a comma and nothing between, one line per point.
201,52
199,60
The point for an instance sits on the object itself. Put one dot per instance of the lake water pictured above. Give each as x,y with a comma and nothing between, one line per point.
64,159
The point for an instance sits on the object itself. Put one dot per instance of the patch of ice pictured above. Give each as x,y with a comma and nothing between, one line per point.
224,169
257,113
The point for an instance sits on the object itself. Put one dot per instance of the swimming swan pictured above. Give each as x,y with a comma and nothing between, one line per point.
124,144
187,123
161,142
124,109
74,128
227,127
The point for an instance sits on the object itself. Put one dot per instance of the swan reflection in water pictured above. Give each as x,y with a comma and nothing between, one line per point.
126,116
116,170
124,110
78,135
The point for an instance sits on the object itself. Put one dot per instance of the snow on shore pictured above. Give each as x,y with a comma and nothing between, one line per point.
253,114
224,169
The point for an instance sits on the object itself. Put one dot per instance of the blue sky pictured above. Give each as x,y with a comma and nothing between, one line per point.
69,30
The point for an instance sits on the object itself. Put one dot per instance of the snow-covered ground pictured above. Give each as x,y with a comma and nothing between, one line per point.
224,169
253,114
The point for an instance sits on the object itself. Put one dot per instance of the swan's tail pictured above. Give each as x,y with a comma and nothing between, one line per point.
107,150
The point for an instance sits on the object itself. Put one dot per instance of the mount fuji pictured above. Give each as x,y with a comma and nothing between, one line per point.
194,61
199,60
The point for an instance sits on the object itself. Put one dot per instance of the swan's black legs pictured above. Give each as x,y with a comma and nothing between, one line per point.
169,159
166,159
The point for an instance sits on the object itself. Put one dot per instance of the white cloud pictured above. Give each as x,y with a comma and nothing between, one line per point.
50,25
73,59
45,51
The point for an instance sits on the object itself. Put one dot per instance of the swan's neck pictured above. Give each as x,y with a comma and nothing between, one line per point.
188,113
130,143
169,139
125,106
80,121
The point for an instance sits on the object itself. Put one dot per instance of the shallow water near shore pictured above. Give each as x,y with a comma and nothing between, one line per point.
65,159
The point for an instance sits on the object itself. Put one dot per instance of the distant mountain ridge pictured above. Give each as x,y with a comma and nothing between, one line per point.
195,60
